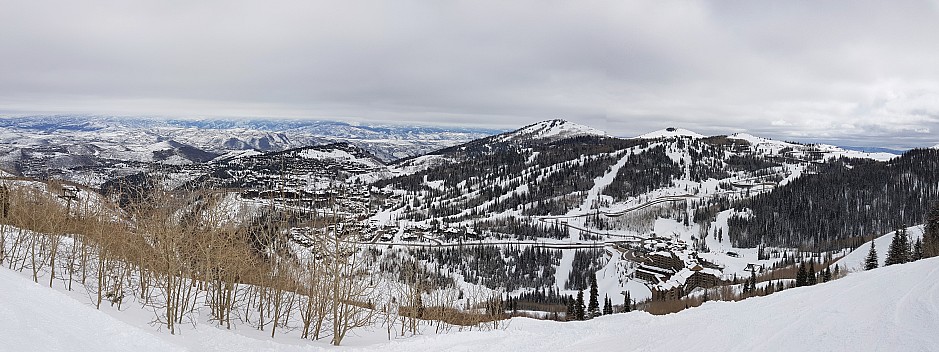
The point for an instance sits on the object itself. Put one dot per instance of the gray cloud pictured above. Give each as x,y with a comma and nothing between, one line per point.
860,73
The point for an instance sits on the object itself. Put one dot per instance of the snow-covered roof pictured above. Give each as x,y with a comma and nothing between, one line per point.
676,280
710,271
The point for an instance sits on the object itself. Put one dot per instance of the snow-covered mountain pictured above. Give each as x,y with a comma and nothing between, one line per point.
388,142
93,149
825,151
671,132
550,130
307,168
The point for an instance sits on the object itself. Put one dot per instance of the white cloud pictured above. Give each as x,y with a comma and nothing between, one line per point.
844,71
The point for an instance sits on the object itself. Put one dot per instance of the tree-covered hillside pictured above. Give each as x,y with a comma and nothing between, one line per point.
846,198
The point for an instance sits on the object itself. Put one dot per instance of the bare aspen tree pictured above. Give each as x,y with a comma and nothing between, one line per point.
349,289
3,242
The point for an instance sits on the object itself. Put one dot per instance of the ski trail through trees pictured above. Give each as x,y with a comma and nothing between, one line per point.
602,182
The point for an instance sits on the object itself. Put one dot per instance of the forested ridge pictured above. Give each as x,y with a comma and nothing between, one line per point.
847,198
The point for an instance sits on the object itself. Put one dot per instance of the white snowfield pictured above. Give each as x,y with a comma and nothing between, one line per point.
671,132
894,308
552,130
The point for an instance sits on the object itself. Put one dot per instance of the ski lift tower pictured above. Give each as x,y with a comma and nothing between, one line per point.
69,193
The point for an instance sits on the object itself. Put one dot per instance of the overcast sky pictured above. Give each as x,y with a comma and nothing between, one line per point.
847,72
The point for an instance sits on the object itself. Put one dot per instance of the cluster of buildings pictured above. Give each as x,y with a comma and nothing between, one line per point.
671,270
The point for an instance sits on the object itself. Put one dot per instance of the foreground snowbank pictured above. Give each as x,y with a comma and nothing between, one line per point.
894,308
36,318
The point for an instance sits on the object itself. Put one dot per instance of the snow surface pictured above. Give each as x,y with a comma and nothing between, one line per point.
769,146
765,145
894,308
855,260
671,133
552,130
831,151
36,318
236,154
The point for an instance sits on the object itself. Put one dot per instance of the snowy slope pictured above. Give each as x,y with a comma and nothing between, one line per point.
889,309
764,145
769,146
36,318
551,130
831,151
671,132
855,260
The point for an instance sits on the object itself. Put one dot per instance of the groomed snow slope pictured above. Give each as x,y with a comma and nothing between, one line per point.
894,308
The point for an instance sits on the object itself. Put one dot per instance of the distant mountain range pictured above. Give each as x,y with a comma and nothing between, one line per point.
388,142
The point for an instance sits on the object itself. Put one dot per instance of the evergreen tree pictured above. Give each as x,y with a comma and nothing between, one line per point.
571,309
801,276
752,281
931,235
871,261
607,306
826,277
917,250
594,307
628,305
579,306
811,276
899,250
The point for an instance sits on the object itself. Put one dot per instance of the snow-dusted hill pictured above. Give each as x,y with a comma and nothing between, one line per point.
671,132
889,309
825,151
550,130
